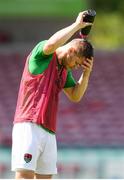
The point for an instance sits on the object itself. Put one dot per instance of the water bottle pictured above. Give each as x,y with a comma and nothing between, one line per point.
89,17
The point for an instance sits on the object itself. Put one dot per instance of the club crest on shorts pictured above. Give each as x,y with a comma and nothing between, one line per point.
27,157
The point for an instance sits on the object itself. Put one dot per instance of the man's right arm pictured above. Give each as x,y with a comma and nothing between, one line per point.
62,36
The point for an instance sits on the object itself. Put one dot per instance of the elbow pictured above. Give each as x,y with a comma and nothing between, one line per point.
76,99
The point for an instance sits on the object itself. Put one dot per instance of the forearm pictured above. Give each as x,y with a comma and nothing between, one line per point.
80,88
61,37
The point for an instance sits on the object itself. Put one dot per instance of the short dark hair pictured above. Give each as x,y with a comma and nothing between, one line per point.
88,50
85,48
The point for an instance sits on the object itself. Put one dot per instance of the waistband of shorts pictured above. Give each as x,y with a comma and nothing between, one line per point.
51,132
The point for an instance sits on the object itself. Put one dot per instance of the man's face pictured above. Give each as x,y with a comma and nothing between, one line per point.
72,61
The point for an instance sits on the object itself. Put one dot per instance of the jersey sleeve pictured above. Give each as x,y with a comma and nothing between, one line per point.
38,61
70,81
37,52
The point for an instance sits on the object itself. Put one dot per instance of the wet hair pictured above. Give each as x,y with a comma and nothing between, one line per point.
88,51
85,49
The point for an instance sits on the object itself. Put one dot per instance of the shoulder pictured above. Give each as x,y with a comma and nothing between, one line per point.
38,49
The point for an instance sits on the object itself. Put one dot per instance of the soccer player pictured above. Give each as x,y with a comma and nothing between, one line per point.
47,71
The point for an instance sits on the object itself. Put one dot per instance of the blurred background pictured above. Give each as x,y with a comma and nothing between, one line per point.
91,133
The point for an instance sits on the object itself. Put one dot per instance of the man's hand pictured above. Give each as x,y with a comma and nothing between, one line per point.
87,66
79,21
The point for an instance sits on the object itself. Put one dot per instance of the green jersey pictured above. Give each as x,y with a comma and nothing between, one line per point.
39,62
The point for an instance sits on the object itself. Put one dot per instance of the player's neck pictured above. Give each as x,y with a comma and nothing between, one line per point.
60,54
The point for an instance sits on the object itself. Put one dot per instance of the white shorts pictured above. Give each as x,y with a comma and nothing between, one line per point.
33,148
